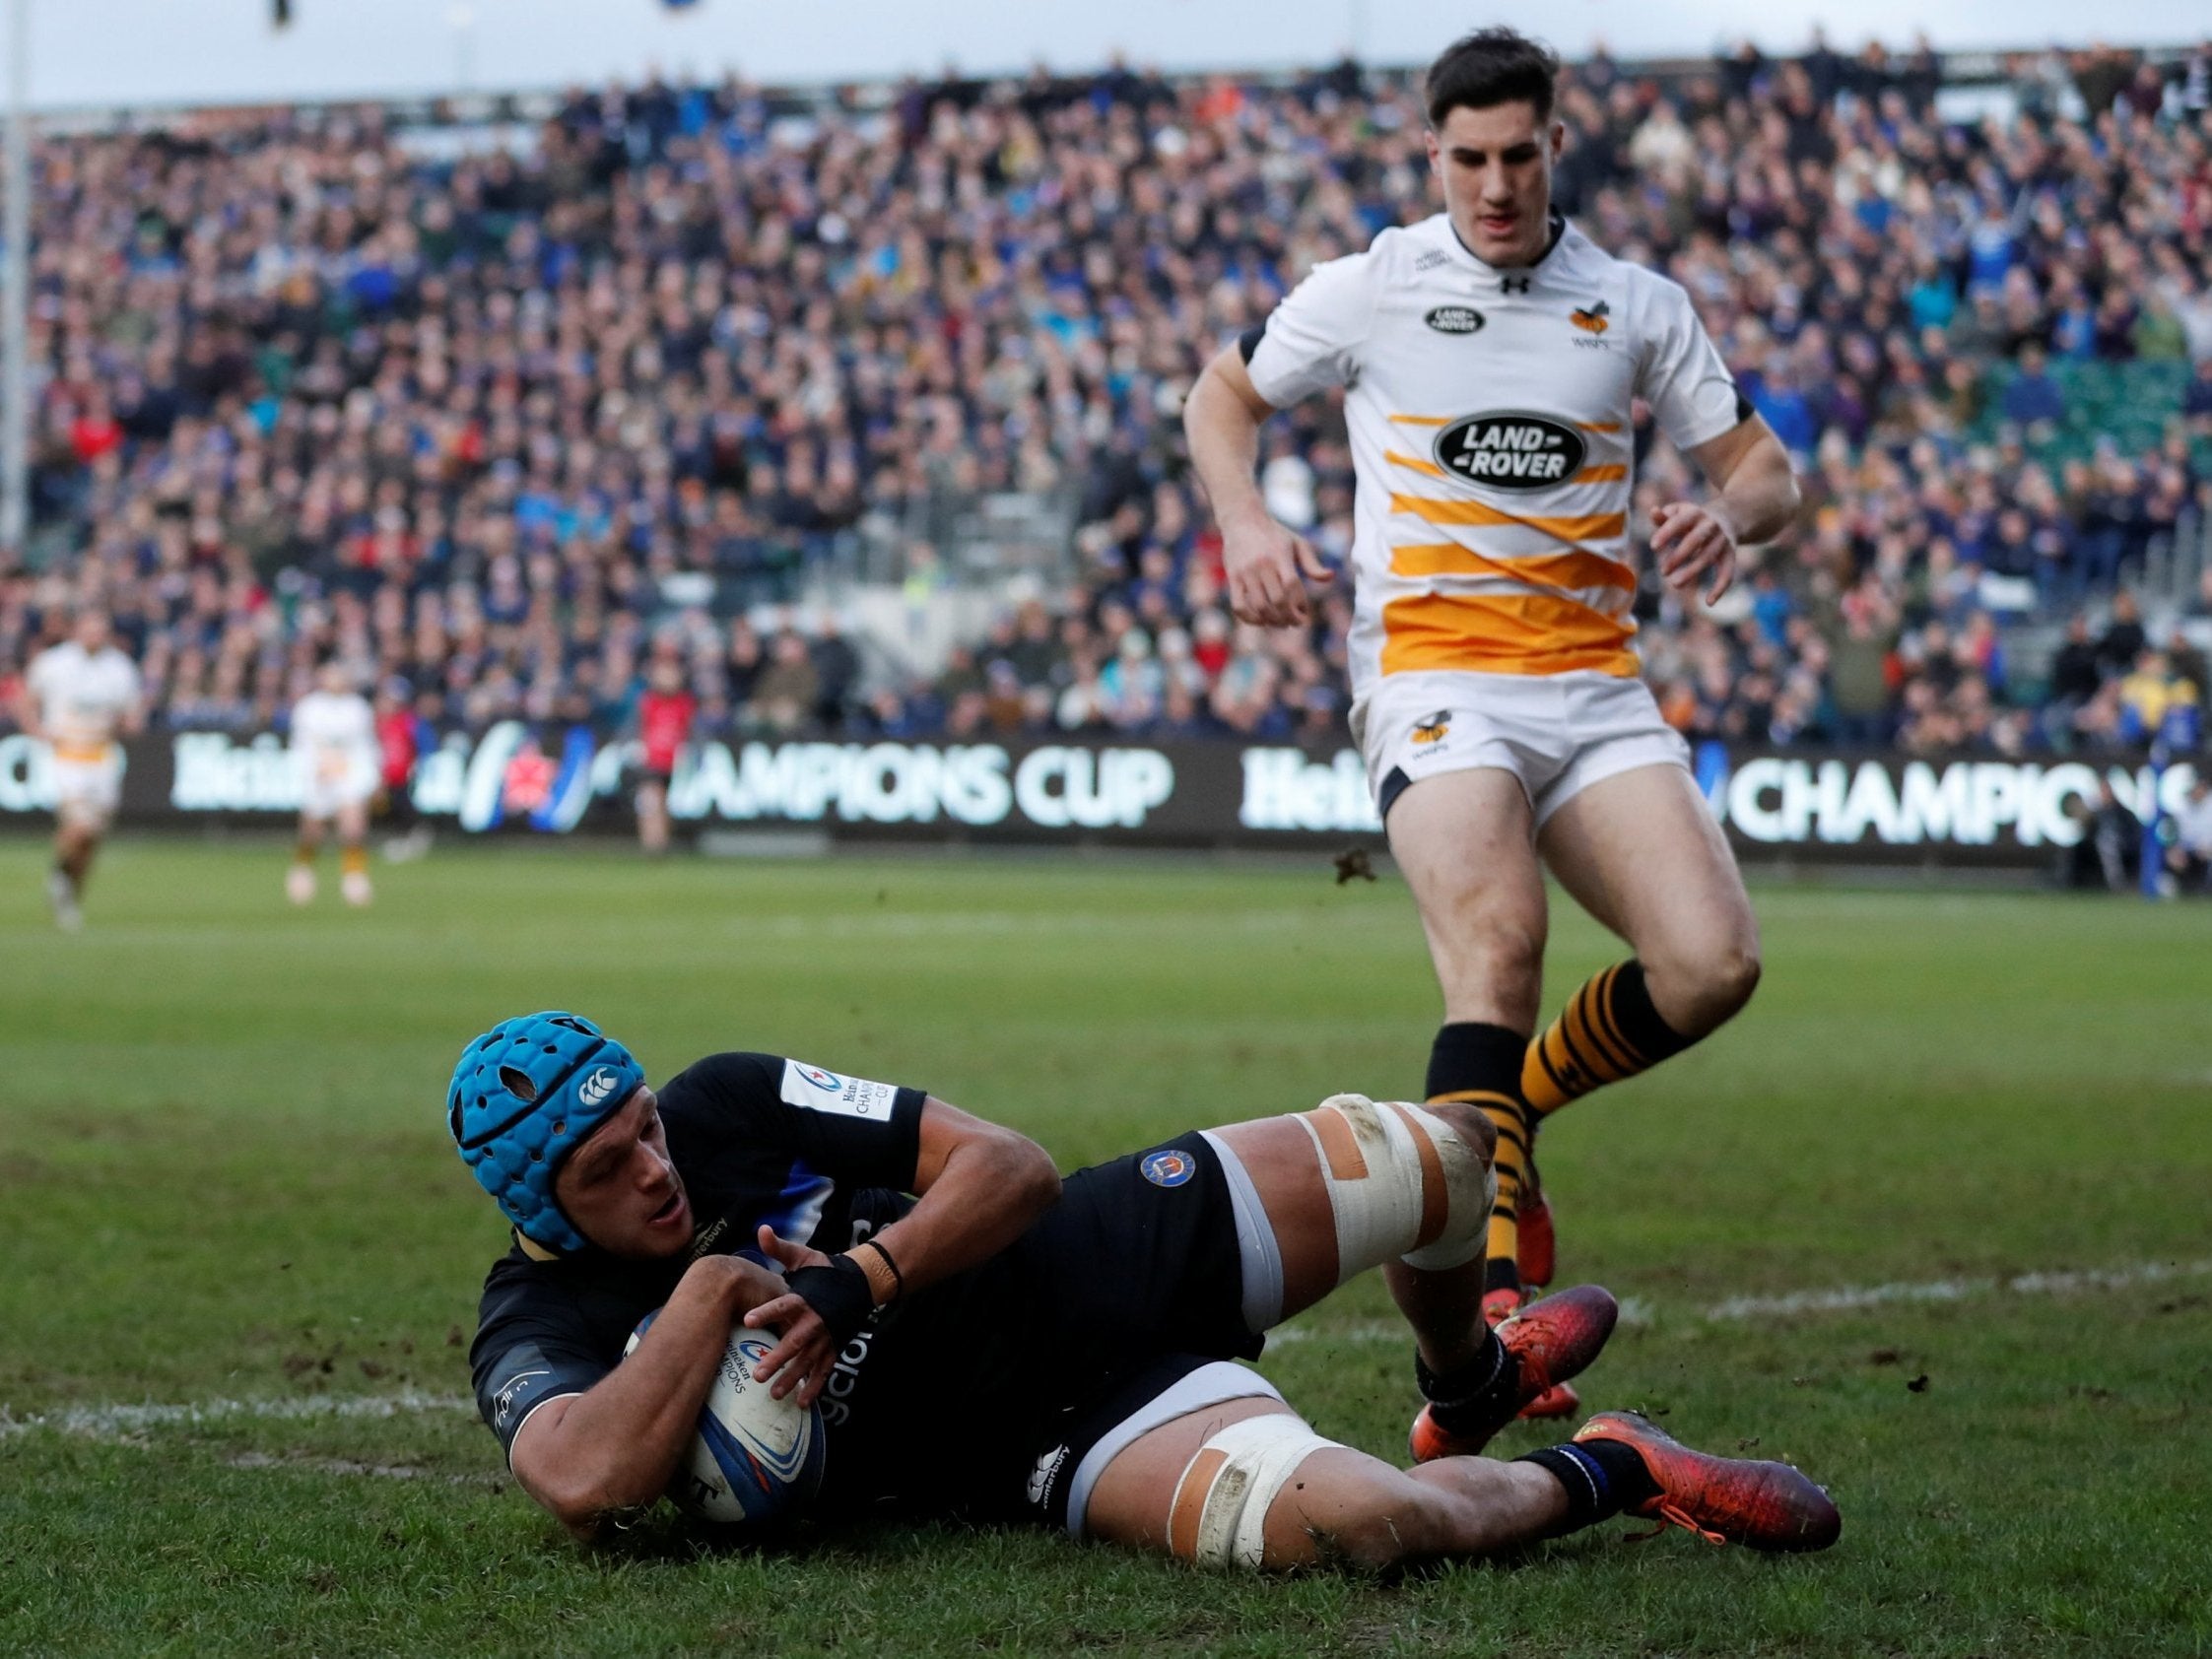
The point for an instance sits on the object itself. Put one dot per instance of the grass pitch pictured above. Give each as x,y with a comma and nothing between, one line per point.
225,1196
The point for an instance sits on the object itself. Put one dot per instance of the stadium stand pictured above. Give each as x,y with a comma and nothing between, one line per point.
863,403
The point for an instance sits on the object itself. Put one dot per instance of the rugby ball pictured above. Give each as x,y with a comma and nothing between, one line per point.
755,1458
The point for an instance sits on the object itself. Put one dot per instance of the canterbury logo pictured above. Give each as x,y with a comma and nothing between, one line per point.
595,1088
1592,321
1433,729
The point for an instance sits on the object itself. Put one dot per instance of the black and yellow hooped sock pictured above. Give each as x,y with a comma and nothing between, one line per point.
354,860
1608,1031
1481,1064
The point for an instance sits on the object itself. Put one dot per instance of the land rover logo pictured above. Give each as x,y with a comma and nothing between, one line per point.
1455,319
1511,450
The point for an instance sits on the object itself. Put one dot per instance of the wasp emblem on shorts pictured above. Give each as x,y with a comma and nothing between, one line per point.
1592,320
1169,1168
1431,728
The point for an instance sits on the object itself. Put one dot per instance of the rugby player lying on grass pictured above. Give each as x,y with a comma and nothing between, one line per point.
1008,1345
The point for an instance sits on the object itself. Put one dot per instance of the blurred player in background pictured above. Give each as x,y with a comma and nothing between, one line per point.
334,741
665,715
80,696
1490,357
400,736
2188,860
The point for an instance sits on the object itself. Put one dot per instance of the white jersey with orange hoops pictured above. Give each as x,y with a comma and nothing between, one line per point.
334,738
84,699
1489,415
84,696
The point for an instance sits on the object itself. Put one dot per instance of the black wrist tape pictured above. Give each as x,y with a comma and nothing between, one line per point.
839,1294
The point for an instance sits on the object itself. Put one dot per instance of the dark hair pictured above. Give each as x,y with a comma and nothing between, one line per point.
1490,67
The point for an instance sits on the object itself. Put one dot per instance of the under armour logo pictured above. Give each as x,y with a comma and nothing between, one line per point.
597,1086
1514,285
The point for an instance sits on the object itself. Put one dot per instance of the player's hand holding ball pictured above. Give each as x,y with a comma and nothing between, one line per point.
754,1458
828,1299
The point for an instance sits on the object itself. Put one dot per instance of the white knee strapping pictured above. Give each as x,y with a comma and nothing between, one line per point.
1219,1517
1402,1183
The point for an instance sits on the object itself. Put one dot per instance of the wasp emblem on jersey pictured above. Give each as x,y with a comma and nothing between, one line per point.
1591,320
1431,728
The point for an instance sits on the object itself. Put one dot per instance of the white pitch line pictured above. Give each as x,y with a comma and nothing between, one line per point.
116,1420
112,1421
1956,1290
1636,1311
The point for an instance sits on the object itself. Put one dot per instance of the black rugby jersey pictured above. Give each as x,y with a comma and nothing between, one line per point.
758,1139
947,1397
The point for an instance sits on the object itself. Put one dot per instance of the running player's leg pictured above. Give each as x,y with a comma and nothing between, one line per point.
76,841
299,879
352,821
1642,853
84,852
1465,841
652,815
87,794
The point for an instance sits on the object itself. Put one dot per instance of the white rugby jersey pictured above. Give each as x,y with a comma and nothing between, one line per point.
334,734
83,697
1490,422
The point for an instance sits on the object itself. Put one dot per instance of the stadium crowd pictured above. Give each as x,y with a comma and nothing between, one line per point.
469,417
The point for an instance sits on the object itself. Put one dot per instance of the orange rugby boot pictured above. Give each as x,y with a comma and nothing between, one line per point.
1553,1340
1559,1400
1722,1500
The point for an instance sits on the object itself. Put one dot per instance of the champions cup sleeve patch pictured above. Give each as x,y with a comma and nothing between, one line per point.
827,1092
1169,1168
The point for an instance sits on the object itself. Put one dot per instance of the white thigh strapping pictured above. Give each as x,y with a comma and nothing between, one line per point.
1208,1385
1402,1185
1219,1514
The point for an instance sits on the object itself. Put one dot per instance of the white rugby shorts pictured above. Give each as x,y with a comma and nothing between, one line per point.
327,798
1557,733
89,789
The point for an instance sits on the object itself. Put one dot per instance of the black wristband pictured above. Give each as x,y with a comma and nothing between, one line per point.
839,1294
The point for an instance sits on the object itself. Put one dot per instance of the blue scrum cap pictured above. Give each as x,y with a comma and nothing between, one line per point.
525,1094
